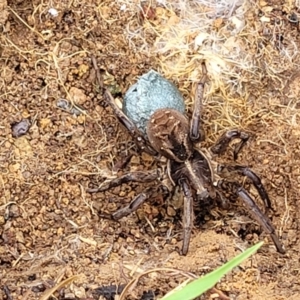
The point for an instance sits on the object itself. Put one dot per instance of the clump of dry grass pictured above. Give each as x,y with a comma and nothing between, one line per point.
242,51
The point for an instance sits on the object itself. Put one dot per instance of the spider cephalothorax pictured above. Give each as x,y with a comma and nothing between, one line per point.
169,133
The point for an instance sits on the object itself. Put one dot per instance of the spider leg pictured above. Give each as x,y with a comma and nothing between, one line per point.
129,125
188,215
132,176
123,119
195,134
222,143
260,217
227,171
254,209
130,208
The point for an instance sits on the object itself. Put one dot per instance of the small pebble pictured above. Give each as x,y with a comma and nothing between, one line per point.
171,211
53,12
20,128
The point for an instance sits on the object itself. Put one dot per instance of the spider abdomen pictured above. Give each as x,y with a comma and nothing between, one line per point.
150,93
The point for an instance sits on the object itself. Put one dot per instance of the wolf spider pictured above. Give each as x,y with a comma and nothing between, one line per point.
169,133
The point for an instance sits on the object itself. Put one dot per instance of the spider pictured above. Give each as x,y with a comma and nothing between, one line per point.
169,133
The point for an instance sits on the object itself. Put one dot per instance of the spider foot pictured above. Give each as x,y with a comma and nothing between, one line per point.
260,217
223,142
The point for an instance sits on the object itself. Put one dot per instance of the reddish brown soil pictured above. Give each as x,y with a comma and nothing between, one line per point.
49,225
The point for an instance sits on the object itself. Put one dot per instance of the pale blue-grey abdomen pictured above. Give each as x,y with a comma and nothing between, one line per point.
151,92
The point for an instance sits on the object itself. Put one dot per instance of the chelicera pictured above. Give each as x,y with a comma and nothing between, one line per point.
169,133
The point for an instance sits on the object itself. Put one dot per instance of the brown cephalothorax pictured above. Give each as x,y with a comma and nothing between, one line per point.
170,134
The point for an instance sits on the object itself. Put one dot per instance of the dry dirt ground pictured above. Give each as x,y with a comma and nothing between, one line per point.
50,230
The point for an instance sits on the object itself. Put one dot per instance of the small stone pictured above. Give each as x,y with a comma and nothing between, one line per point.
135,160
79,292
77,95
6,145
69,296
60,231
53,12
173,241
20,128
171,211
65,201
45,122
20,237
14,167
122,194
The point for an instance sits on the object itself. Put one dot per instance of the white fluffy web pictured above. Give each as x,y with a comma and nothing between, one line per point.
223,33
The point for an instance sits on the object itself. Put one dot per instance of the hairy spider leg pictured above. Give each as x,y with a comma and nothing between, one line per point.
130,208
256,181
188,215
98,75
260,217
254,209
124,120
222,143
195,134
137,176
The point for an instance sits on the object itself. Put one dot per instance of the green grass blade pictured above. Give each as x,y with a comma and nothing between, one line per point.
201,285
